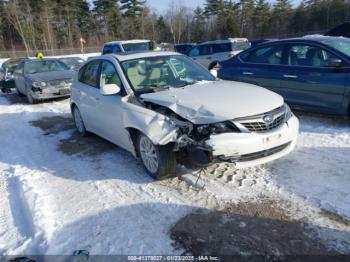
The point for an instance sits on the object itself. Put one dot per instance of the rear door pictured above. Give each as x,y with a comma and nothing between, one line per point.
310,81
262,66
202,54
222,51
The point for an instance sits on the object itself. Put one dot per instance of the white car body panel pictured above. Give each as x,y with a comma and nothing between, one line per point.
214,102
237,144
112,117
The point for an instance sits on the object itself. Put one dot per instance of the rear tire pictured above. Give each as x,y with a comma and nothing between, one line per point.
159,161
78,120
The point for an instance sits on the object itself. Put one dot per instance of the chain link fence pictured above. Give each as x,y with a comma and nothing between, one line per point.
51,52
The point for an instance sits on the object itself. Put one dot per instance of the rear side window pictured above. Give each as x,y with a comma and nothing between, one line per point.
205,49
220,48
265,55
88,73
111,49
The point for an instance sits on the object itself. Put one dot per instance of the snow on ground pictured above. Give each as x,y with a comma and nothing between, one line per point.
60,192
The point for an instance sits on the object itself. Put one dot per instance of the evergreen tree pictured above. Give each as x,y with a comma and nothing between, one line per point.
261,16
246,16
134,14
108,18
282,11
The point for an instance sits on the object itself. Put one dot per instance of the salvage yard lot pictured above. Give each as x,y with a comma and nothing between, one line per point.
60,192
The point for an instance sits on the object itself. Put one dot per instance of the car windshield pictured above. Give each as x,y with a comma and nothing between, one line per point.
146,46
72,61
41,66
151,74
341,44
11,64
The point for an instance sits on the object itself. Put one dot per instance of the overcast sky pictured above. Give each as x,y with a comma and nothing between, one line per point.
162,5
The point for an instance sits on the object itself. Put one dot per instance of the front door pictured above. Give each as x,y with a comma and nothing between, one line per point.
109,110
310,81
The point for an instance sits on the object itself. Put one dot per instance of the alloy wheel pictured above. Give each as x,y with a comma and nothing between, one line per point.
149,154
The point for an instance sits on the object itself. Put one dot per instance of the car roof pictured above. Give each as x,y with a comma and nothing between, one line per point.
135,41
224,41
314,38
136,55
41,59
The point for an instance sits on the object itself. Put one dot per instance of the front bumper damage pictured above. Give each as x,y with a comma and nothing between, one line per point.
250,149
50,92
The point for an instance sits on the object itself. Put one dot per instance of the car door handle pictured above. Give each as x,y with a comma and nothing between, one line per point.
290,76
248,73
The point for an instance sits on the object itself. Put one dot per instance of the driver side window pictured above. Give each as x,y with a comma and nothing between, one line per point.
109,75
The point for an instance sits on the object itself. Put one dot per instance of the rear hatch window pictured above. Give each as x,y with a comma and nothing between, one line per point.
137,47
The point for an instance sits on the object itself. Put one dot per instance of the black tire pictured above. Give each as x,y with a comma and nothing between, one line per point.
31,99
78,121
165,156
4,90
19,93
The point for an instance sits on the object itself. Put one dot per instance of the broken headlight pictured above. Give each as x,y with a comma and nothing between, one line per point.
38,84
217,128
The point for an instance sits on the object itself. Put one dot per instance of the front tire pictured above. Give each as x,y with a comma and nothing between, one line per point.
18,92
79,123
31,99
159,161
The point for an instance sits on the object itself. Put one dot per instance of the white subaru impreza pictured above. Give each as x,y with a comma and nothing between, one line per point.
162,105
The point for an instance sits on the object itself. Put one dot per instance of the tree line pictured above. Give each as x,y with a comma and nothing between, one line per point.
56,24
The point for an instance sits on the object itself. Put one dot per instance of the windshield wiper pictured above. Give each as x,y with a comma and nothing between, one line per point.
151,88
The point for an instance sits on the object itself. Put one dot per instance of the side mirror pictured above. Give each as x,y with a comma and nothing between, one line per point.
109,89
333,62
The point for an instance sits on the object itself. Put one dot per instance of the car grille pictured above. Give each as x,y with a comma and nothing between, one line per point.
257,123
261,126
60,82
260,154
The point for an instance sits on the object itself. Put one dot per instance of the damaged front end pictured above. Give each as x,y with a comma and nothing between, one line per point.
191,140
244,141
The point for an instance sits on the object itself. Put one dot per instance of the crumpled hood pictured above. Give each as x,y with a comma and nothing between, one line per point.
210,102
53,75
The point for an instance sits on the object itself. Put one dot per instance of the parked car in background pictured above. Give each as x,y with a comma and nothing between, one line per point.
73,63
209,53
260,41
160,105
7,82
40,79
311,73
183,48
116,47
